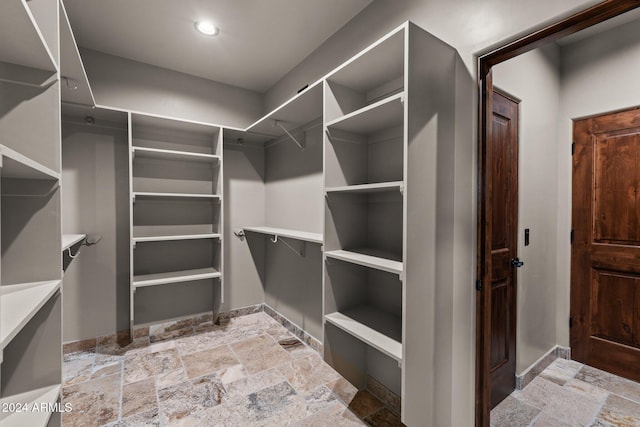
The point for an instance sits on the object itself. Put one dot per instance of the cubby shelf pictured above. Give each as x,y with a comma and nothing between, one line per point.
383,114
154,195
158,153
16,165
282,232
69,240
376,328
32,418
368,188
22,42
369,258
164,238
19,303
175,277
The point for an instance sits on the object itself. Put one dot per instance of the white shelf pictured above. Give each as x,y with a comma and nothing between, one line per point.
369,258
384,114
69,240
158,153
19,303
376,328
71,66
165,238
147,194
16,165
293,234
31,418
22,42
368,188
174,277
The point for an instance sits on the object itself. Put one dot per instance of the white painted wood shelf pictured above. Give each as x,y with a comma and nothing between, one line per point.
155,195
69,240
384,114
16,165
368,188
76,90
164,238
374,327
19,303
22,41
292,234
159,153
31,418
369,258
175,277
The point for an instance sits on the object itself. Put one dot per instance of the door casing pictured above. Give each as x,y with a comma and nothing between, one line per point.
563,27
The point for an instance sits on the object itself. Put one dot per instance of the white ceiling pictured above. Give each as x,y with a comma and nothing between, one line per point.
259,40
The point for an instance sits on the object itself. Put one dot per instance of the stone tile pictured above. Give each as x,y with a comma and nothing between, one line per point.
318,399
601,423
140,332
334,415
169,378
94,402
232,374
384,418
365,404
145,419
530,374
387,397
76,346
253,383
294,346
558,402
620,412
77,367
546,420
182,402
343,389
260,353
147,365
588,390
139,397
512,412
232,412
620,386
307,373
102,370
276,405
201,342
209,361
560,371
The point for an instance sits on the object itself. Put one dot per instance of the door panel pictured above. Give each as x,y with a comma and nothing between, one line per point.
504,203
605,254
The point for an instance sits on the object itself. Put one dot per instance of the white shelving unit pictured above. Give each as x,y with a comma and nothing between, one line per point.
372,118
30,417
177,212
69,240
75,87
16,165
368,188
283,232
365,258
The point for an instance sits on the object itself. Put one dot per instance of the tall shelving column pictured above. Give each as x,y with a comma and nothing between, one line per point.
389,115
176,189
30,222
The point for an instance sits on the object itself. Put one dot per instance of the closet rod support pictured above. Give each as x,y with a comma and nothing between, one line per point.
293,138
300,252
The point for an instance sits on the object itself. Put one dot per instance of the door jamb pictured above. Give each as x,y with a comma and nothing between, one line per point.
552,32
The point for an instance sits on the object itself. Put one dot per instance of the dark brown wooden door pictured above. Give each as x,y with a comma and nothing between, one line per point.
605,253
504,246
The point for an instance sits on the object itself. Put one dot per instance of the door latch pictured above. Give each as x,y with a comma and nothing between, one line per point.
516,262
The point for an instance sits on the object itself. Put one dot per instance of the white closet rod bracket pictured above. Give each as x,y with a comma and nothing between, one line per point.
277,123
239,232
299,252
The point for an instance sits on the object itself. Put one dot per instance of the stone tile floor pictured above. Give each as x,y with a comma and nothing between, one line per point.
248,372
568,393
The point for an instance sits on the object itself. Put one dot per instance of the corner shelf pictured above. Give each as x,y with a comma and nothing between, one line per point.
383,114
19,303
159,153
368,188
22,43
175,277
369,258
292,234
164,238
16,165
384,334
69,240
46,395
151,195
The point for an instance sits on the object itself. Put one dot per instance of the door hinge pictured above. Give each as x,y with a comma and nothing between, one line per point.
478,285
573,148
571,321
571,237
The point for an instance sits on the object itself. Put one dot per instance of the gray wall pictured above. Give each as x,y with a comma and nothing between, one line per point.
535,79
95,199
129,85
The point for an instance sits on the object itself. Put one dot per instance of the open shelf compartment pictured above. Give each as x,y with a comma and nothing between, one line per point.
16,165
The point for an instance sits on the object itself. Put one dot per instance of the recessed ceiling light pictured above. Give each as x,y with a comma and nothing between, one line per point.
207,28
